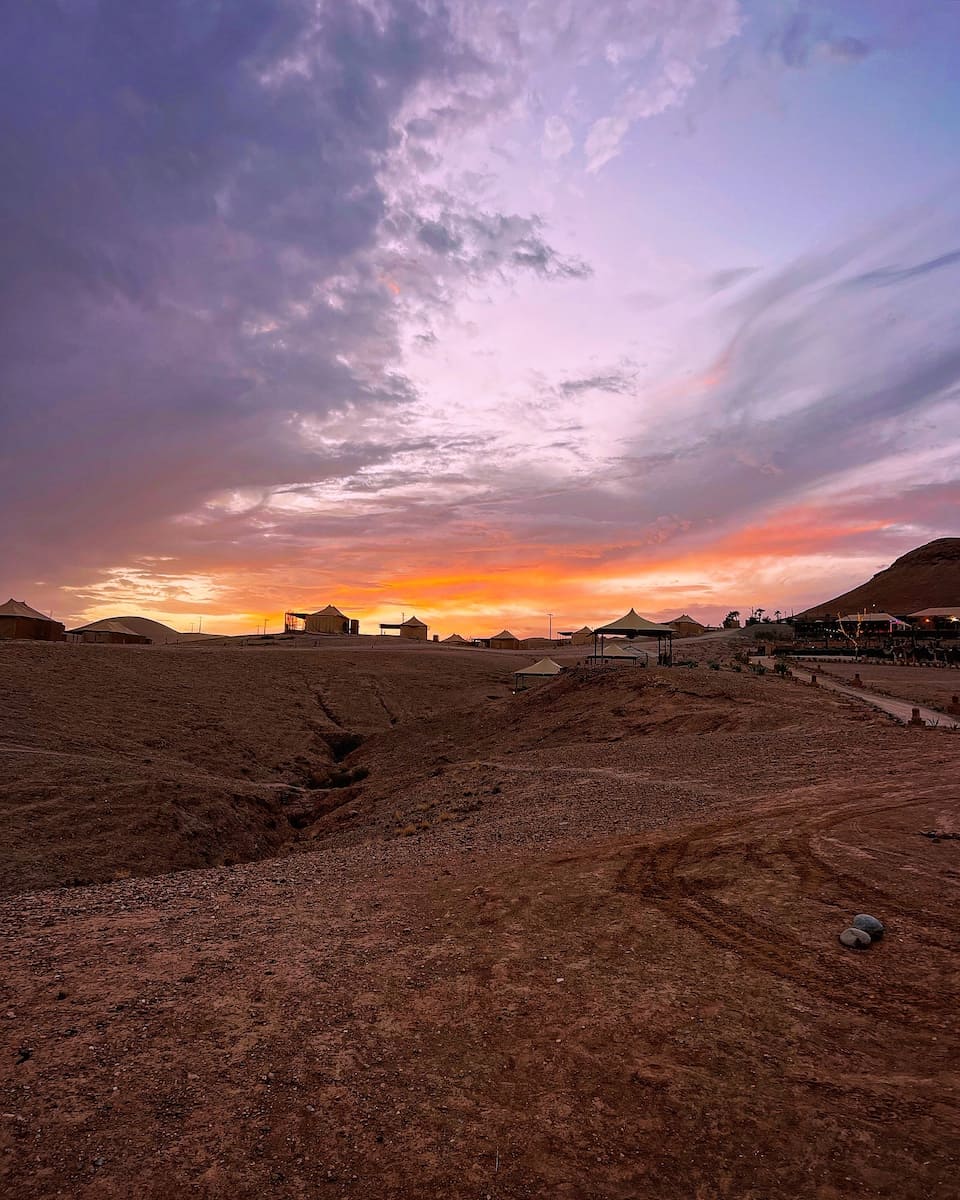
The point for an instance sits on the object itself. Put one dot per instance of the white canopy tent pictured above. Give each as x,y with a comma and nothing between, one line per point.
544,669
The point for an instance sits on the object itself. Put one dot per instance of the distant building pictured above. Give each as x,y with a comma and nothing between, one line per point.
582,637
504,640
455,640
19,620
686,626
325,620
938,620
109,631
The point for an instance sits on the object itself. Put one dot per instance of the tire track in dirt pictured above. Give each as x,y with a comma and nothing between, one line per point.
664,876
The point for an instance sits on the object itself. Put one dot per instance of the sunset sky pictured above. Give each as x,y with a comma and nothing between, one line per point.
481,310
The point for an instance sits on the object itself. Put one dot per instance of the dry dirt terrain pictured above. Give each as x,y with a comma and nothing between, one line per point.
578,942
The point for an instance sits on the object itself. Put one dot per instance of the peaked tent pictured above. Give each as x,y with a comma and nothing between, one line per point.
632,625
455,640
504,640
581,637
544,669
19,620
413,629
686,626
326,620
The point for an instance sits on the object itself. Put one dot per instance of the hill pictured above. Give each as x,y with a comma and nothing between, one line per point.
928,577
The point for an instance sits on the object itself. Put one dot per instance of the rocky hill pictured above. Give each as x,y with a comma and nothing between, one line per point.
928,577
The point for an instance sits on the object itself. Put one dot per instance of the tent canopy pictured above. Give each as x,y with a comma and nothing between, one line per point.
17,608
546,666
329,611
504,633
413,623
632,624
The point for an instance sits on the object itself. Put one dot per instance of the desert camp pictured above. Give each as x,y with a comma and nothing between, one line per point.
480,693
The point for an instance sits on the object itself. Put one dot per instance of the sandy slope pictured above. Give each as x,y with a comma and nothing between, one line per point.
612,971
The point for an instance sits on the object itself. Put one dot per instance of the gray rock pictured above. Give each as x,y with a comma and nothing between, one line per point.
869,925
855,939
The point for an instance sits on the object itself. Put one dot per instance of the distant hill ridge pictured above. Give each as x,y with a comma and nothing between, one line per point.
928,577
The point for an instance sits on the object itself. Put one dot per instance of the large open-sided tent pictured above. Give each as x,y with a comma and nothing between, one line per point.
631,625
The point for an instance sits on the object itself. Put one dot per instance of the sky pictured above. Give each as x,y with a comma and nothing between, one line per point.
500,313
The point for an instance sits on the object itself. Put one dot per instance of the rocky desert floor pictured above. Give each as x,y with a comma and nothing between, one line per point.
361,922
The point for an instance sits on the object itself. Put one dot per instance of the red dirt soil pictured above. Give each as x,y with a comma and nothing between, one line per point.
611,970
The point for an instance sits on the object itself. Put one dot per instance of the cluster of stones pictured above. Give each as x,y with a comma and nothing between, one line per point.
862,930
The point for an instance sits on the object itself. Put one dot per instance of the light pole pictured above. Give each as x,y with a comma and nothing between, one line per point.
550,633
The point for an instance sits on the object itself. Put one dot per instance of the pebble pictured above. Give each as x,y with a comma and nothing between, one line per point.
855,939
869,925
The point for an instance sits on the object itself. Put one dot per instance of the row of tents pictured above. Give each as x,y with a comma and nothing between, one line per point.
19,620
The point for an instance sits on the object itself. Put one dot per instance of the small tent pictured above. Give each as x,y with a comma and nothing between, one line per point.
546,668
617,655
455,640
19,620
582,637
686,626
504,640
110,631
413,630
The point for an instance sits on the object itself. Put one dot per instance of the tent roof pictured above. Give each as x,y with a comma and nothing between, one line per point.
546,666
585,629
107,625
938,612
873,616
414,623
455,637
17,608
504,633
329,611
632,622
685,617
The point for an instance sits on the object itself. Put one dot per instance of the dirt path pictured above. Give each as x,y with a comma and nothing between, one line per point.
900,710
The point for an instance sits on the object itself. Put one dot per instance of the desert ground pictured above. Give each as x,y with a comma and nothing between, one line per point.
359,921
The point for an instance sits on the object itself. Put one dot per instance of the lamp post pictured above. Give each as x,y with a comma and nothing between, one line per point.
550,629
